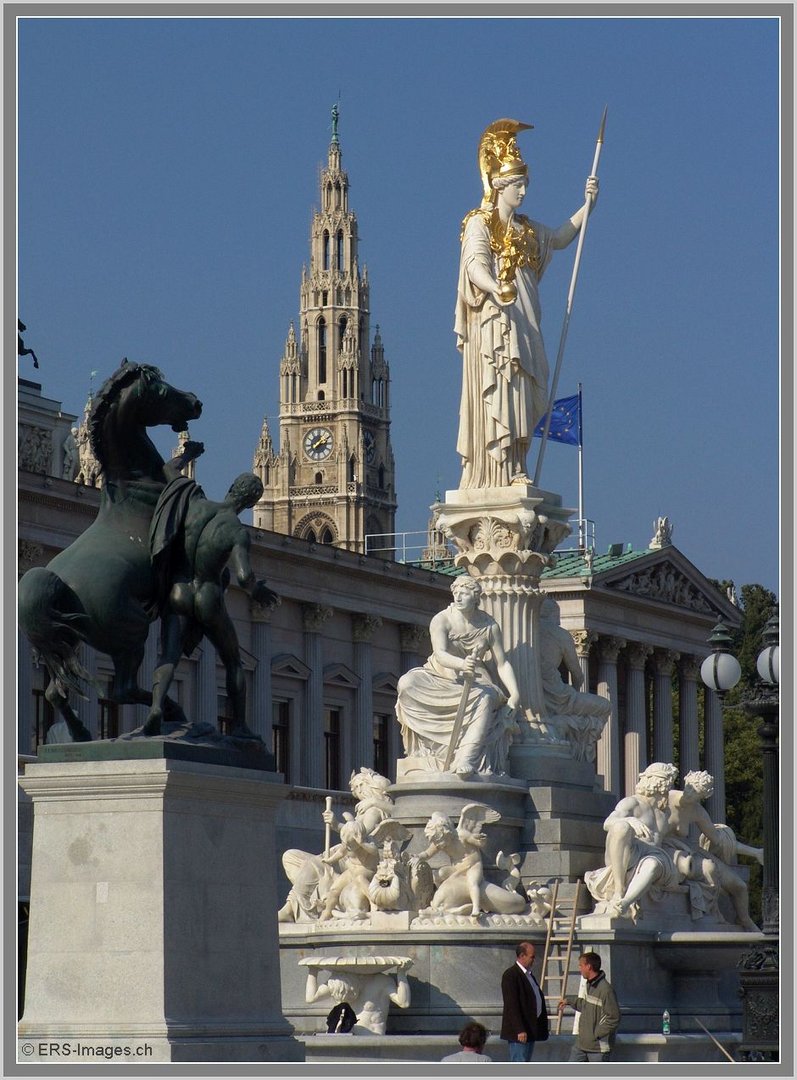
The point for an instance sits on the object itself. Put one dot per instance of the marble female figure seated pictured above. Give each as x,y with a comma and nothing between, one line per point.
467,648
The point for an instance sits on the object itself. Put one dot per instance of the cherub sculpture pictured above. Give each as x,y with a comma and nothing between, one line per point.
461,886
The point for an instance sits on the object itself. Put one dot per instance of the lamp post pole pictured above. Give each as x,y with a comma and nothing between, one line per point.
759,966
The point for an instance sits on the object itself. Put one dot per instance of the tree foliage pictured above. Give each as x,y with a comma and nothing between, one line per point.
743,759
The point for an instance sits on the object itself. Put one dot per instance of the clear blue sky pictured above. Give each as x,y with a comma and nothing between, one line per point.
168,169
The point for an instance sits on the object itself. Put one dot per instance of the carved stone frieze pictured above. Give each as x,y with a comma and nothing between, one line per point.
35,448
503,531
667,584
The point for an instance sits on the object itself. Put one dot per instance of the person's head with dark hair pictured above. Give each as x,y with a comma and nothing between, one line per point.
473,1037
589,964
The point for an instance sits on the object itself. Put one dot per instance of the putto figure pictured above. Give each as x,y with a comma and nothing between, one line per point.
497,321
454,716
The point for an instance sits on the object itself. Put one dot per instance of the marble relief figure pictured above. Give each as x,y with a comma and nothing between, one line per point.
497,320
460,705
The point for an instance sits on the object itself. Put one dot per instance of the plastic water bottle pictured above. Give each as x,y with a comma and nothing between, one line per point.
665,1022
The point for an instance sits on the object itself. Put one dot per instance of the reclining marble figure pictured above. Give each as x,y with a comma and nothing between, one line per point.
648,852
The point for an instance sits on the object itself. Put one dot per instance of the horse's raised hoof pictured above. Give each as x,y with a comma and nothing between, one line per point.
153,724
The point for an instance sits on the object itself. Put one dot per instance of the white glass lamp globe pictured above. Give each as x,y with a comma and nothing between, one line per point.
720,671
768,664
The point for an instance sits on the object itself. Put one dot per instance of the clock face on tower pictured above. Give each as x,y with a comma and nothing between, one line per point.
318,443
370,446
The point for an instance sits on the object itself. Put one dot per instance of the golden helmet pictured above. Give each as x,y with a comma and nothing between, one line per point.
499,154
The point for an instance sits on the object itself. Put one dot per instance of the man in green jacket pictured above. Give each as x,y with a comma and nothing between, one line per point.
599,1013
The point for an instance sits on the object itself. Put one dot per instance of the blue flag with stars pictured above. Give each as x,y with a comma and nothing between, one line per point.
565,421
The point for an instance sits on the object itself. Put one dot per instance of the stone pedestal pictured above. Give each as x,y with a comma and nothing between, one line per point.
153,927
505,538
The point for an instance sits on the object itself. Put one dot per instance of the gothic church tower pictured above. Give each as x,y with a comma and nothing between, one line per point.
333,479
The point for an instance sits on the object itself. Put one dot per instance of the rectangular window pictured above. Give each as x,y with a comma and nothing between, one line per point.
280,736
332,719
43,717
381,721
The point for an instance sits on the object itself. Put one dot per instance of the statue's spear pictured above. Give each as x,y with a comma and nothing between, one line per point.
569,309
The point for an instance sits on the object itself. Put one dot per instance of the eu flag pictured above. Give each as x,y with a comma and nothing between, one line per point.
565,421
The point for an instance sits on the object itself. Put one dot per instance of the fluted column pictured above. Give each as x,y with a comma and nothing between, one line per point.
206,703
584,640
636,714
608,748
414,642
260,720
689,759
663,742
715,755
312,763
24,696
362,744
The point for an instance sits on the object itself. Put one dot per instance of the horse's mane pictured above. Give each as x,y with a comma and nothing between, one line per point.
108,396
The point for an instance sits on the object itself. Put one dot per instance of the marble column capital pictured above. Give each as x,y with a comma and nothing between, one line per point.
260,613
637,654
364,627
314,616
665,661
413,638
609,648
584,640
689,667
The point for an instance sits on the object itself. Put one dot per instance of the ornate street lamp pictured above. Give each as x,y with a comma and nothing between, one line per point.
758,968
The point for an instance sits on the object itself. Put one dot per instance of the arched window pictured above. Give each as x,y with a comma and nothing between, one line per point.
319,478
322,350
327,537
339,250
337,195
310,536
325,255
352,469
382,477
342,324
321,395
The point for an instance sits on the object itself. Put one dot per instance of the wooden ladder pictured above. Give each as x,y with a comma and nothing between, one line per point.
559,948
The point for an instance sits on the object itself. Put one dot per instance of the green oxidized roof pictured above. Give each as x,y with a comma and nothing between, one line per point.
572,563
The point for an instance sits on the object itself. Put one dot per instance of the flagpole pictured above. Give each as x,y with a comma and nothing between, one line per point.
582,525
569,308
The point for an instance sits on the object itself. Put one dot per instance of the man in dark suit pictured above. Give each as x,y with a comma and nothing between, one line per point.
525,1018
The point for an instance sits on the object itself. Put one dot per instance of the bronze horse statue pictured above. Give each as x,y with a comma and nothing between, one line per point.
102,589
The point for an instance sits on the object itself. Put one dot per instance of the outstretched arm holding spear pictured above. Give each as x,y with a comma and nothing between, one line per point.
563,236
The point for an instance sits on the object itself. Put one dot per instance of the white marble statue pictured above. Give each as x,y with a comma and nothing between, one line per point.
70,449
461,886
369,984
314,877
497,319
649,853
459,681
577,716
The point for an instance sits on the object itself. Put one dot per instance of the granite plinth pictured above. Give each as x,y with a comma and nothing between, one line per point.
253,757
153,908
